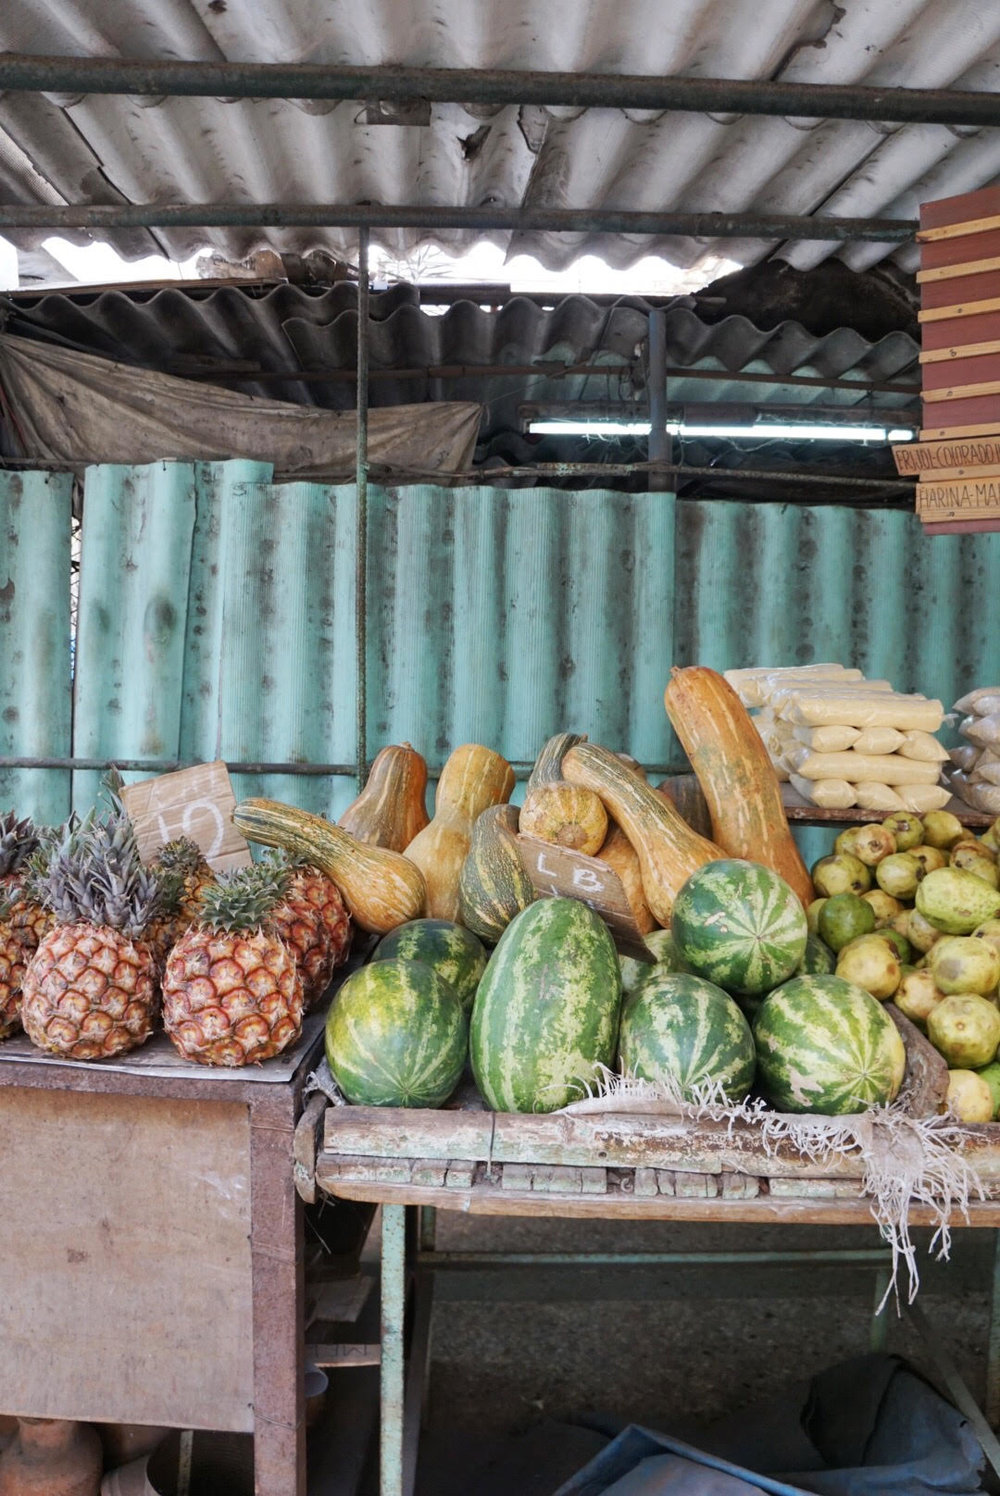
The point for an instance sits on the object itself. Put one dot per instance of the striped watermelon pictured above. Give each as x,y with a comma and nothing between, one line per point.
452,950
818,959
661,943
396,1035
826,1045
739,925
545,1017
680,1027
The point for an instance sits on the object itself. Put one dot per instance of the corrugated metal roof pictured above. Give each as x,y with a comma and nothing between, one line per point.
288,328
105,149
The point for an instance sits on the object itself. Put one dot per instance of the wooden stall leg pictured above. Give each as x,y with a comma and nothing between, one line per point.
393,1362
278,1314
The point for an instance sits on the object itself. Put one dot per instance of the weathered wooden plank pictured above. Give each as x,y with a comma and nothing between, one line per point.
402,1132
739,1186
696,1186
645,1182
340,1300
557,1179
429,1171
344,1355
375,1170
815,1189
815,1211
926,1069
665,1182
306,1145
593,1181
460,1175
516,1177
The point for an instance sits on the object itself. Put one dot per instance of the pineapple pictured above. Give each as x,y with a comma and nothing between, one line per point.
23,921
232,994
184,858
310,885
89,991
168,924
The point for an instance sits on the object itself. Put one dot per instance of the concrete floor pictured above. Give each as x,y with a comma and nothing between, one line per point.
519,1352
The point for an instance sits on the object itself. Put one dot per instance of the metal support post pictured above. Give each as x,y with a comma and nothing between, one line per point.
879,1335
659,449
428,1227
361,556
392,1370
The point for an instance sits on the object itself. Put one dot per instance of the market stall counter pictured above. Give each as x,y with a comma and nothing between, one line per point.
149,1220
616,1165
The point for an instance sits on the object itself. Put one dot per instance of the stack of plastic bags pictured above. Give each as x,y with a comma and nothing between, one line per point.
975,777
842,740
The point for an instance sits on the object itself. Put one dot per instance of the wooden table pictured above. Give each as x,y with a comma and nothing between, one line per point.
622,1167
151,1245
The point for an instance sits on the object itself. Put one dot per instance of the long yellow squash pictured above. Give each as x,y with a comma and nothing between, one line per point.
735,773
381,888
669,851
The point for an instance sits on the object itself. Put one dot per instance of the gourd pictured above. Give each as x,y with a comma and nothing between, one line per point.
735,773
620,855
668,850
554,810
381,888
493,886
472,779
390,809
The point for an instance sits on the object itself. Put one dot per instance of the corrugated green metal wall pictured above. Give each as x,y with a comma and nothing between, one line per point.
217,616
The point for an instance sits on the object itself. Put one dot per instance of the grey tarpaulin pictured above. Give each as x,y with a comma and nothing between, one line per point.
868,1427
75,408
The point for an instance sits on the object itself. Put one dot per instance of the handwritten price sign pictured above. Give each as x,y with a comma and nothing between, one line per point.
198,803
557,872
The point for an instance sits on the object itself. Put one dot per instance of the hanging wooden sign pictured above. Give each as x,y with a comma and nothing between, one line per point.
196,802
558,872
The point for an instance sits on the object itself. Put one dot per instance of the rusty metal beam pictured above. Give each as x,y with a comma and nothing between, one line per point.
29,73
774,226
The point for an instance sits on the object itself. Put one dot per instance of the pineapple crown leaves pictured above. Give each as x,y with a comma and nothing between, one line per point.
244,898
182,855
91,873
170,883
18,840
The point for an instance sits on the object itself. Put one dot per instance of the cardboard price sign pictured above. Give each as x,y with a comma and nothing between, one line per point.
198,803
558,872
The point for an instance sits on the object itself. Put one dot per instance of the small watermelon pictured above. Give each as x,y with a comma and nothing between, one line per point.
682,1027
818,960
545,1017
826,1045
452,950
739,925
396,1035
661,943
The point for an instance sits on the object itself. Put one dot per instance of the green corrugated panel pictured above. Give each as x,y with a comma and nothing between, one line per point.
270,673
502,617
135,564
35,525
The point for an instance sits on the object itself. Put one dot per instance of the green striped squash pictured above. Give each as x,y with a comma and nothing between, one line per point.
682,1028
545,1016
739,925
396,1035
452,950
493,886
826,1045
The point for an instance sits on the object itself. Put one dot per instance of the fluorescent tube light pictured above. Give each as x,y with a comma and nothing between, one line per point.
788,431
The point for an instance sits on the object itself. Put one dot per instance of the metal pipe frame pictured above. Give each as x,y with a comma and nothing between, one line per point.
441,219
361,554
30,73
850,1256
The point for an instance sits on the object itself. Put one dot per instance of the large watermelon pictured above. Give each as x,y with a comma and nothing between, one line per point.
455,952
739,925
545,1016
826,1045
396,1035
683,1028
